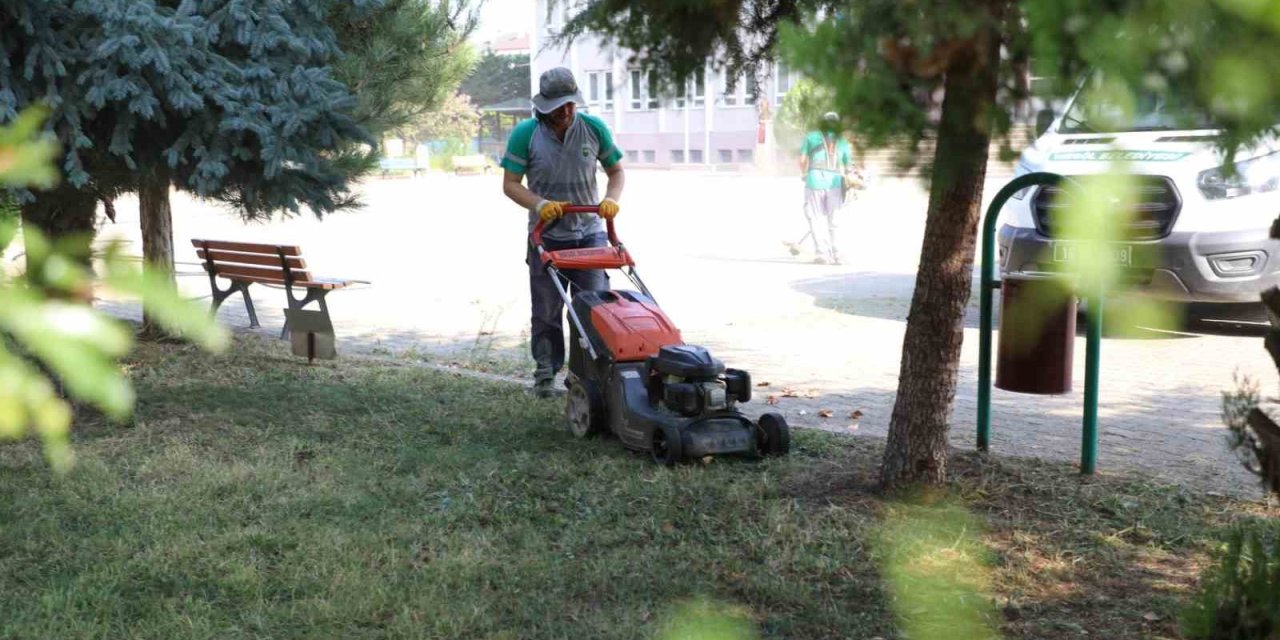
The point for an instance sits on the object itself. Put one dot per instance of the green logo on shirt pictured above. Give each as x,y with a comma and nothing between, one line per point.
586,151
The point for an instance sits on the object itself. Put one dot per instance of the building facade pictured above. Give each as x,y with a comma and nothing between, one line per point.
707,124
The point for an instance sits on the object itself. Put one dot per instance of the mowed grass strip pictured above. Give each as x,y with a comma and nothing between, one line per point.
257,496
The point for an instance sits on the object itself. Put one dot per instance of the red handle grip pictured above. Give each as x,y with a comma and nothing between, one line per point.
575,208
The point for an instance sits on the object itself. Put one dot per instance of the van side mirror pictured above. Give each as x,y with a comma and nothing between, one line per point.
1044,120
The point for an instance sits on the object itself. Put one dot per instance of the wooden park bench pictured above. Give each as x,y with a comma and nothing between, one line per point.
244,263
477,163
411,165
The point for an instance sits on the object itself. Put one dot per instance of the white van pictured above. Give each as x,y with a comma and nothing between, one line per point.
1197,236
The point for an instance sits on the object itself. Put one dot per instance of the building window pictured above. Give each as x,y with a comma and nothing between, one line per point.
730,98
783,79
677,156
650,156
744,94
600,90
644,90
746,155
726,156
695,87
556,19
633,156
695,156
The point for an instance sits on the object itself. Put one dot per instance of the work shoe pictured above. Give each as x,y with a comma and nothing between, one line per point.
819,260
546,388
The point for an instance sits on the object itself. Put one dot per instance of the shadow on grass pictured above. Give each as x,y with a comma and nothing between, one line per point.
254,492
256,495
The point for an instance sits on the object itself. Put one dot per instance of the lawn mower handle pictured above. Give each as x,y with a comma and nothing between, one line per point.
574,208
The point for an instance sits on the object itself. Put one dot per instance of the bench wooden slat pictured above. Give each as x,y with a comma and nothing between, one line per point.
329,285
248,247
238,272
250,258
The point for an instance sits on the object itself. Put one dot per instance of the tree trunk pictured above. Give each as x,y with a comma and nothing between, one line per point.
64,215
157,239
916,452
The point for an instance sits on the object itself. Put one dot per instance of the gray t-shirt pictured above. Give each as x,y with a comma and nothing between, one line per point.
563,171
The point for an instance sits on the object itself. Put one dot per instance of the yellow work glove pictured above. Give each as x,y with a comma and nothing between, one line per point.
608,208
550,210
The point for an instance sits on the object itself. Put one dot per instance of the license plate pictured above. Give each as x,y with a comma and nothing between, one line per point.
1119,254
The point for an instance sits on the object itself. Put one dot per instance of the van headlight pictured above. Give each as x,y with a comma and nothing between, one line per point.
1258,175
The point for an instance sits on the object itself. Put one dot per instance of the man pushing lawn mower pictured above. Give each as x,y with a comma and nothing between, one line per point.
557,150
630,373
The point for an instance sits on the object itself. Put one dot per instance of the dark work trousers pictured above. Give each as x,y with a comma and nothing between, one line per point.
547,338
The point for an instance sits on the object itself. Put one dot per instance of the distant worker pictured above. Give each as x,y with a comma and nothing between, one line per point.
557,150
826,165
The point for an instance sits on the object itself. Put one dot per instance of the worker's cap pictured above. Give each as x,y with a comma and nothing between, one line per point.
555,88
831,116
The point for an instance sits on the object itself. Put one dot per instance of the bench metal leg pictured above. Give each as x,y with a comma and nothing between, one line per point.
313,295
219,295
248,306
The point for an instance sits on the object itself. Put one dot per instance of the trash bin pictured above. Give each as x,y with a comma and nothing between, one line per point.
1037,333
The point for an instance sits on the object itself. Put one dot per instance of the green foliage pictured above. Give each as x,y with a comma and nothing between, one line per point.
456,120
933,561
675,39
1240,599
903,52
26,157
1236,406
10,213
230,102
900,50
402,58
497,78
43,340
802,112
955,72
1209,56
705,620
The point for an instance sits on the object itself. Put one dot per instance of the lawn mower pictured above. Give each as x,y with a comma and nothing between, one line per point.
631,374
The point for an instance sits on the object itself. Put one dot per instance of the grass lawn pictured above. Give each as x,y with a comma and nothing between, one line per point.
256,496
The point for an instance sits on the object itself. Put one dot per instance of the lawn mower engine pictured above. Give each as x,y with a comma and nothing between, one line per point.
654,392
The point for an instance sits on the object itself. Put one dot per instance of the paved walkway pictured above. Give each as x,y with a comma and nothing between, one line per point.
445,257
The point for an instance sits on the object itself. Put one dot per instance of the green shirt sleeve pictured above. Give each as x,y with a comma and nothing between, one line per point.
807,146
516,159
609,153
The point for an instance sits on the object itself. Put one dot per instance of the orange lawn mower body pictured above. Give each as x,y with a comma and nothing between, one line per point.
632,375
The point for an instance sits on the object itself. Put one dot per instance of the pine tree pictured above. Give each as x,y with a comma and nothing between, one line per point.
497,78
403,59
231,100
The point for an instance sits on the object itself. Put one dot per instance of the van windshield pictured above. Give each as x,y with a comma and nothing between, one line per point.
1093,112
